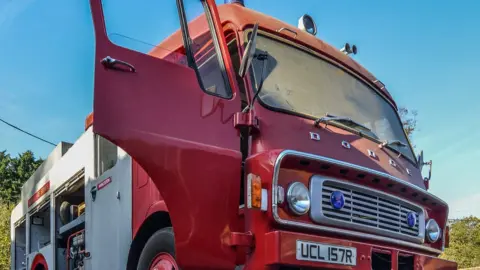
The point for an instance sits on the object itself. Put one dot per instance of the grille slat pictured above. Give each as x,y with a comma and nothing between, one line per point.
331,189
389,215
364,199
389,227
362,220
372,210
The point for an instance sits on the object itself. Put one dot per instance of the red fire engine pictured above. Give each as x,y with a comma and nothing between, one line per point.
238,142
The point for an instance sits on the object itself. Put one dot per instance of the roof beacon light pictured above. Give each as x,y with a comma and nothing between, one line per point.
307,24
348,50
240,2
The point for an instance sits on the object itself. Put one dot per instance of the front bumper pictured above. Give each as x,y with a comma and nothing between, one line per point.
281,252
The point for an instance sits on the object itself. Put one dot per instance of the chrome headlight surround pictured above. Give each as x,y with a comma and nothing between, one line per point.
298,198
432,231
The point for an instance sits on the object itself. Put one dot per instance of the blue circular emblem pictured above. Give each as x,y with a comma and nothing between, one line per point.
337,199
411,219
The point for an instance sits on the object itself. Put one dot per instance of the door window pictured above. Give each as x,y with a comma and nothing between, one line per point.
40,227
20,245
154,27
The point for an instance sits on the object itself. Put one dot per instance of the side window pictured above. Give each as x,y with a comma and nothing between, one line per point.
153,27
20,244
105,155
40,227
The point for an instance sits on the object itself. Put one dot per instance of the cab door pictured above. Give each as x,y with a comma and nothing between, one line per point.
171,107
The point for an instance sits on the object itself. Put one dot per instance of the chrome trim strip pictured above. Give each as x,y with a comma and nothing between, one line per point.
277,218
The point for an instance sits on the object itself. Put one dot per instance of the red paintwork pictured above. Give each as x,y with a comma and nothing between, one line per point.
146,198
247,120
89,121
39,193
194,173
262,164
187,159
39,260
298,129
238,239
280,250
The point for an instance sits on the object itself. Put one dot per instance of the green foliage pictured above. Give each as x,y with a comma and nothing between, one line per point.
5,210
409,120
14,172
464,245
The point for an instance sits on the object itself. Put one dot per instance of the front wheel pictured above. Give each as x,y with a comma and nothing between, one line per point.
159,252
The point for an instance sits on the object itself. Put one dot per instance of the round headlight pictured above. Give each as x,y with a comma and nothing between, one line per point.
298,198
433,231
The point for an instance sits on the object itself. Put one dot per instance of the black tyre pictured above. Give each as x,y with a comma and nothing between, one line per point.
160,248
65,215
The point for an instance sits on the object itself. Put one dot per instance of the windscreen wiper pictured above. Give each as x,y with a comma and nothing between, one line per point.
264,58
332,118
390,143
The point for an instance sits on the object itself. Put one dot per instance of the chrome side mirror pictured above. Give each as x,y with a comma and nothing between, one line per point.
429,171
421,162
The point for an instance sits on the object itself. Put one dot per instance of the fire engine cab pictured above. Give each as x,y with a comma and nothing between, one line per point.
237,141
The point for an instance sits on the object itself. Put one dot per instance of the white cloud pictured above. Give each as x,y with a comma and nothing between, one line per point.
466,206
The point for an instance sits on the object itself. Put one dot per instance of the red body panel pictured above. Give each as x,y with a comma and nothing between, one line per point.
280,248
260,223
193,173
146,198
297,129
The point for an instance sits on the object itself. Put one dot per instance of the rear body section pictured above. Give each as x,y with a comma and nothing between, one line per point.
104,186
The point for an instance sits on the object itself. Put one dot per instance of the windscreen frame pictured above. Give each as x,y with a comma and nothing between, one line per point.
336,63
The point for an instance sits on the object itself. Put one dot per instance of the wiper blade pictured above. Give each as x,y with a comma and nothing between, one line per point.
332,118
390,143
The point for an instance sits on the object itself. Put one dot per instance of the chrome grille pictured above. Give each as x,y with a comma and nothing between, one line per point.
367,209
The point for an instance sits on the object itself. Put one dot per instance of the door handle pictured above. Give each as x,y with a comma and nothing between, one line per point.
112,63
93,193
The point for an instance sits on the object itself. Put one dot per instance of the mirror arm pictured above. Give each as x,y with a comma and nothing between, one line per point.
429,171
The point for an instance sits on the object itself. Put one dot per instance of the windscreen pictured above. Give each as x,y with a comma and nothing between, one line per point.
299,82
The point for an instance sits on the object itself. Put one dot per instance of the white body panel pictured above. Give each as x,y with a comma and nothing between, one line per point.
46,251
108,226
109,221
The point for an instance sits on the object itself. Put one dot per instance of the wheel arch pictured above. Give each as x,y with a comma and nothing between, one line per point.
155,221
39,262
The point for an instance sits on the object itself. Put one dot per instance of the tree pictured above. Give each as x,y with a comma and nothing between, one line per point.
5,211
464,245
14,172
409,120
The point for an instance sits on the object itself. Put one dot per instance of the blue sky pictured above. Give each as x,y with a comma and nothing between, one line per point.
424,51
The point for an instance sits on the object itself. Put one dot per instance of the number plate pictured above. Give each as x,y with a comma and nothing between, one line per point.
316,252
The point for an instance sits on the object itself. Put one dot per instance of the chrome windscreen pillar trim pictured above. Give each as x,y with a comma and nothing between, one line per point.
343,232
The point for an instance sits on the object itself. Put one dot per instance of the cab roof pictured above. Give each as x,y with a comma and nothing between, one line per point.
244,18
